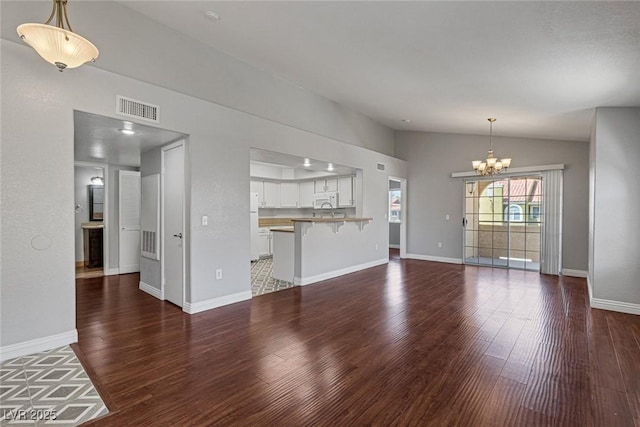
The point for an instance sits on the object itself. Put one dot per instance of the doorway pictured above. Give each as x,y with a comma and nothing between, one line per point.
91,218
503,221
173,229
396,216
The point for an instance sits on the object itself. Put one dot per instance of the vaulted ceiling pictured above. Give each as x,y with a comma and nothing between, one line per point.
539,67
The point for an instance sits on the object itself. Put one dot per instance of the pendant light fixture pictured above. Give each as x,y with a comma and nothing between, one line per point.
58,44
491,166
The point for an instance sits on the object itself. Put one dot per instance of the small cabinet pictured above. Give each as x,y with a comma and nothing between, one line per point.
268,193
288,194
264,242
258,187
92,247
271,195
346,192
306,190
325,185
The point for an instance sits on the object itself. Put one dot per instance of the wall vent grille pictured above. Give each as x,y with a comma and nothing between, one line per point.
381,167
141,110
149,244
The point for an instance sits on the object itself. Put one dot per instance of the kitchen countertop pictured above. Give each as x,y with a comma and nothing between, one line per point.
283,229
90,225
349,219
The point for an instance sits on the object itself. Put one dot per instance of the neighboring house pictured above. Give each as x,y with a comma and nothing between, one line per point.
521,201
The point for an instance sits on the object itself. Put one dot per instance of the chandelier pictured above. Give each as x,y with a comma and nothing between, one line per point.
491,166
58,45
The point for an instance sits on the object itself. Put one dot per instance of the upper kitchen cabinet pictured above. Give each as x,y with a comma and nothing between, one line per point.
258,187
268,193
346,192
289,195
271,194
326,184
306,190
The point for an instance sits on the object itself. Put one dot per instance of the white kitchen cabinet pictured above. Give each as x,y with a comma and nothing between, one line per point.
306,190
264,242
268,193
288,194
346,193
325,185
258,187
271,194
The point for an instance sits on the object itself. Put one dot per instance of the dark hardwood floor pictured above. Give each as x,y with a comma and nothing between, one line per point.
410,343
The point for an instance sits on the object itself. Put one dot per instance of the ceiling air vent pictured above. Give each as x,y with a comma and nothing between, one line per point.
140,110
380,166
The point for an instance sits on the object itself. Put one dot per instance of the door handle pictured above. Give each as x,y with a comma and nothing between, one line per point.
179,235
464,222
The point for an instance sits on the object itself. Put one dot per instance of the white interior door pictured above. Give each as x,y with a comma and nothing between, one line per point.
173,224
129,220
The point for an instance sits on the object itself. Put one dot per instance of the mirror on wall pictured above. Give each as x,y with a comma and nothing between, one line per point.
96,202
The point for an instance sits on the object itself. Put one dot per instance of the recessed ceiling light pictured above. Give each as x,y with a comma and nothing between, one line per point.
406,120
330,167
127,131
307,163
212,15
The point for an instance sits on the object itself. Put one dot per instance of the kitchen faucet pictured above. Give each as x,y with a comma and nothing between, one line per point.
330,205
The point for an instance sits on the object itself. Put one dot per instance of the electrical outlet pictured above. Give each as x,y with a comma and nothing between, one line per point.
439,244
219,274
447,217
205,220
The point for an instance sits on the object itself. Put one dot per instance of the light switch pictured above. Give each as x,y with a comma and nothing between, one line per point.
447,217
205,220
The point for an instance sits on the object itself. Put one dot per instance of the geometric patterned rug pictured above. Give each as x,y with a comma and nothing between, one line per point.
49,388
261,280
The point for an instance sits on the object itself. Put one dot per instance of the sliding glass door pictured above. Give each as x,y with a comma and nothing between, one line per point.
502,222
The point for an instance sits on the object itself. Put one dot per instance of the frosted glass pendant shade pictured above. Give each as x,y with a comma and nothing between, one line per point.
62,48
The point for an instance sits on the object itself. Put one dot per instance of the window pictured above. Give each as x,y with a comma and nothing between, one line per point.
513,213
395,211
534,213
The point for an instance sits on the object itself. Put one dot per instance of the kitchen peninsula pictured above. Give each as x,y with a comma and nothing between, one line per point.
316,249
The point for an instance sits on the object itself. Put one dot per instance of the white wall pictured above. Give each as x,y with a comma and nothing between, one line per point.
132,45
40,302
614,235
432,193
150,164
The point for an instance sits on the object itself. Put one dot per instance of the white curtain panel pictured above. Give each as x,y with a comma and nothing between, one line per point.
551,256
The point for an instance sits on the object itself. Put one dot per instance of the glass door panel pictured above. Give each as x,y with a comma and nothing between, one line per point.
503,219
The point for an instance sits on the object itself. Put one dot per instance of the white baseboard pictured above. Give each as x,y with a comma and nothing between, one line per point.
302,281
151,290
394,246
574,273
38,345
622,307
113,271
197,307
435,258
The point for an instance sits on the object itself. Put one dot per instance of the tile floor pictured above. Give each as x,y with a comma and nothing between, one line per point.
261,280
49,388
83,272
